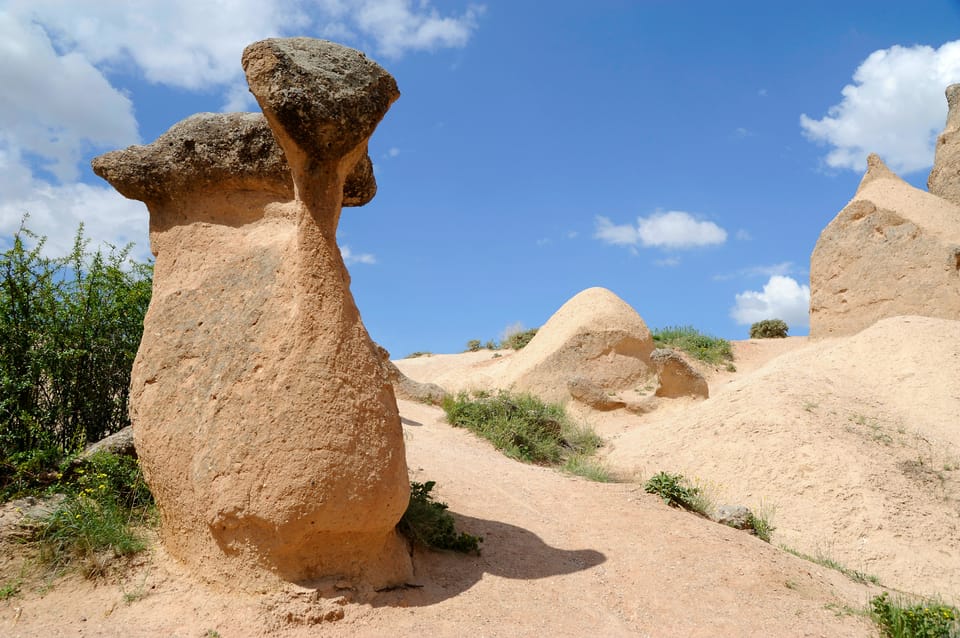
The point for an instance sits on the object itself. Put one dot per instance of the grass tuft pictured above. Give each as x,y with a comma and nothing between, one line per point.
712,350
522,426
826,561
928,619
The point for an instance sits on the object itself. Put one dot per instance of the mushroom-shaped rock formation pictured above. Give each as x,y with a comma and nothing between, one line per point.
893,250
266,427
944,179
595,337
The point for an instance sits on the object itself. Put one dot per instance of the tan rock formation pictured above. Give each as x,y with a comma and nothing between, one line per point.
589,393
893,250
265,424
677,377
595,336
944,179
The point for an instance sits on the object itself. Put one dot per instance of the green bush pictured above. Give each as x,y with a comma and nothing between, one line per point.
675,491
926,620
518,340
769,329
521,426
428,523
473,345
713,350
69,331
761,527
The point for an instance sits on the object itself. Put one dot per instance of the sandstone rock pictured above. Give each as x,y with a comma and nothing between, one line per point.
117,443
586,391
736,516
405,387
266,427
595,335
677,377
944,179
893,250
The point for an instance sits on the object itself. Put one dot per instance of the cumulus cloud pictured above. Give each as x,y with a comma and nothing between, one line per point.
61,100
670,229
781,298
894,107
350,257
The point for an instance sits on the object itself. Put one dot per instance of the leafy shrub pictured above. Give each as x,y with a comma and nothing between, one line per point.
676,491
69,331
518,340
473,345
419,353
521,426
712,350
926,620
428,523
769,329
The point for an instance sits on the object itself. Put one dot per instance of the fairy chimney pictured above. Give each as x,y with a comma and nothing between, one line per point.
265,425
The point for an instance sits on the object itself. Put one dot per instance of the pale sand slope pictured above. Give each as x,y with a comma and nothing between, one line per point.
854,441
852,444
561,557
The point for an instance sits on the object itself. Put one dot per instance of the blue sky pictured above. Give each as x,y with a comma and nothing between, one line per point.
685,155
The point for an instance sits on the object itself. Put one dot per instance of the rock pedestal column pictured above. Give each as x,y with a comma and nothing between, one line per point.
265,425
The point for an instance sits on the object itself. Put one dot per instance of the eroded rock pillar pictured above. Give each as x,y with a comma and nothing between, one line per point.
264,422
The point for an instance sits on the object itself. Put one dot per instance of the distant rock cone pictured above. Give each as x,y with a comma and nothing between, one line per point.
595,339
944,179
265,424
893,250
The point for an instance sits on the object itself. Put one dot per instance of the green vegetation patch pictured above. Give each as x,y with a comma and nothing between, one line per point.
428,523
107,503
923,620
826,561
712,350
769,329
522,426
677,491
69,328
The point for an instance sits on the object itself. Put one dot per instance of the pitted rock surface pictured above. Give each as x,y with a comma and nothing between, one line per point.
265,424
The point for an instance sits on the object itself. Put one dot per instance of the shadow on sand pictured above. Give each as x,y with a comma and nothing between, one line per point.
507,551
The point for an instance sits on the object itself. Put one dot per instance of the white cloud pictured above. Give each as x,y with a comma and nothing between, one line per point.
349,257
895,107
60,100
670,229
667,262
54,106
781,298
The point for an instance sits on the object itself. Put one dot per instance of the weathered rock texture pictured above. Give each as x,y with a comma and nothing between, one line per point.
265,424
893,250
944,180
595,336
586,391
405,387
677,377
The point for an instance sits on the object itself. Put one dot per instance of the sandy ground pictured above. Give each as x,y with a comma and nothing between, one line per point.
848,444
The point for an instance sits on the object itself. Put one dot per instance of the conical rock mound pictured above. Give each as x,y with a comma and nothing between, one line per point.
595,336
893,250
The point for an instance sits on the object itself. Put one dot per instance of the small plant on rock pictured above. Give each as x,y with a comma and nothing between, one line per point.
518,340
769,329
428,523
473,345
